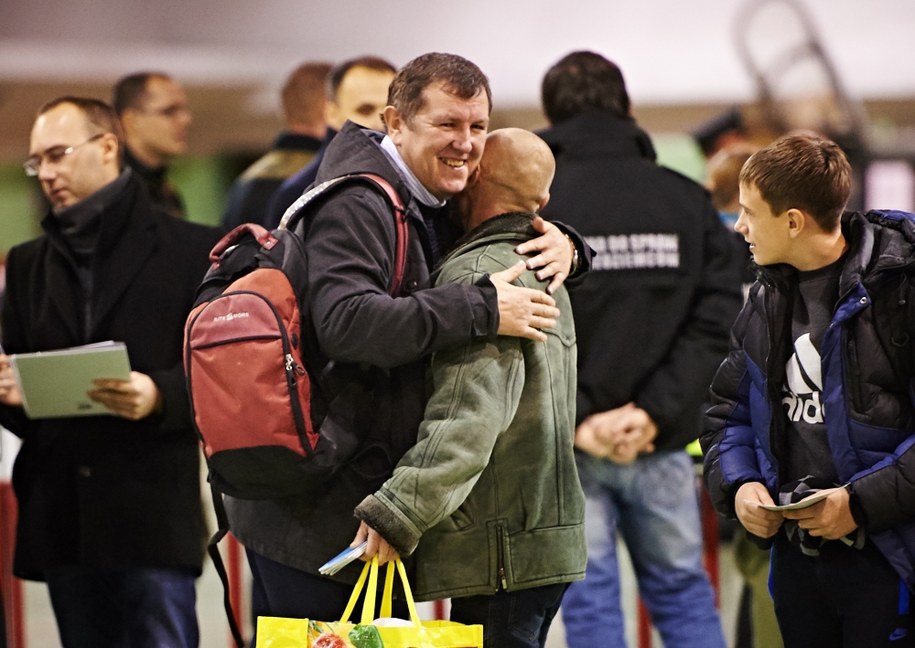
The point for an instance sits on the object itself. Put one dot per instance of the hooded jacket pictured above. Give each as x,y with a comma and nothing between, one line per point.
653,315
490,491
372,349
868,386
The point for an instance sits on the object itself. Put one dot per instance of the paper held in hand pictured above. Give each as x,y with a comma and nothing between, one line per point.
55,383
804,503
342,559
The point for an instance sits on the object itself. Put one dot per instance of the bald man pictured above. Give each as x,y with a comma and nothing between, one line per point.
488,500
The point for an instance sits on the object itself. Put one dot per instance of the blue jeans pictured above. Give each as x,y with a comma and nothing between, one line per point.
519,619
652,503
131,608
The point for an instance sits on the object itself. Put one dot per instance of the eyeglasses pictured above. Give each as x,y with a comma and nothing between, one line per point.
175,110
54,155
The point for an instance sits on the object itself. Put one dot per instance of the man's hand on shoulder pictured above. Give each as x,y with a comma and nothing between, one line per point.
132,399
556,252
523,312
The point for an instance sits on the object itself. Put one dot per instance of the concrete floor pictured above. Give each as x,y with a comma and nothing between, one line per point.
41,631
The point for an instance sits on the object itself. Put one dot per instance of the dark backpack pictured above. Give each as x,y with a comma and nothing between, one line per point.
249,385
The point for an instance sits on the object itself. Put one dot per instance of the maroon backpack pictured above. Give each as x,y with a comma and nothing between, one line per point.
249,385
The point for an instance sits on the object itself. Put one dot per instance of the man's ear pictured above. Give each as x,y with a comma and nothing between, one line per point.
110,147
544,202
474,176
332,115
393,123
796,221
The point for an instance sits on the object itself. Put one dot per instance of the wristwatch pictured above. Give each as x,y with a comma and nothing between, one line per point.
576,260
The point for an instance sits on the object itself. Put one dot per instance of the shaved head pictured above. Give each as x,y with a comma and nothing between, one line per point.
514,175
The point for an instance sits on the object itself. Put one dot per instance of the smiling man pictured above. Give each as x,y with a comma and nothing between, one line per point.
372,346
816,393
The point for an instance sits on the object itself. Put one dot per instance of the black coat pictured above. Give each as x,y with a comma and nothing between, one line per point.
653,315
101,490
380,346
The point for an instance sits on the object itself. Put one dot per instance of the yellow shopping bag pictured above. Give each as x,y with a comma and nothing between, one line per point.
276,632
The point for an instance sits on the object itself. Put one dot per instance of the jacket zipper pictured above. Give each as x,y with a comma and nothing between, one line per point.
501,557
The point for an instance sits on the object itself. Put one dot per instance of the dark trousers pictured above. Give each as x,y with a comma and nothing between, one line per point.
519,619
131,608
843,598
282,591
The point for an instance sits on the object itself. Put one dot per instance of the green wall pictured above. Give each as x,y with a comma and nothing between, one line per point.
18,207
203,183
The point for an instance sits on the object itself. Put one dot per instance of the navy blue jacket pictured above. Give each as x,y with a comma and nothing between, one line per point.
868,387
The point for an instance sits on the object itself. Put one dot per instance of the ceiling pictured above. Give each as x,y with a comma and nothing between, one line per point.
681,59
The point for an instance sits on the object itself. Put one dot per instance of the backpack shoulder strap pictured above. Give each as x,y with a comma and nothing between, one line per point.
297,211
222,524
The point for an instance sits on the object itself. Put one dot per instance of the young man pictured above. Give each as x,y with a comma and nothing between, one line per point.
490,491
816,393
304,106
357,90
373,347
652,320
155,116
109,505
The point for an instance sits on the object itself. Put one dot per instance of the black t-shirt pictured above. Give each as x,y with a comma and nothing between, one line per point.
808,448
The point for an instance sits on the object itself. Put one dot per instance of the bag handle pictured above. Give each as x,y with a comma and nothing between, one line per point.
370,573
257,232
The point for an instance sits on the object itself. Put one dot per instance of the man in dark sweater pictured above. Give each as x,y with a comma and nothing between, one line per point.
155,118
304,106
357,91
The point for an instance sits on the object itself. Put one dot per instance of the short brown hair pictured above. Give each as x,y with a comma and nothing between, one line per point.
304,93
582,82
130,91
98,114
803,171
724,173
375,63
458,75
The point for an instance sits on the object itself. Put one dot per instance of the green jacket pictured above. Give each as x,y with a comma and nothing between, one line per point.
489,496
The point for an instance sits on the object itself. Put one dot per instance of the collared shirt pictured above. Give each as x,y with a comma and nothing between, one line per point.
416,187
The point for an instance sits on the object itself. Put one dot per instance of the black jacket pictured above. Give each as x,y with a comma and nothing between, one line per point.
378,344
867,364
653,314
101,490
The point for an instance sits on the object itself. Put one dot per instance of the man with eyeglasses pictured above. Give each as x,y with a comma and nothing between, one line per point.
109,505
155,116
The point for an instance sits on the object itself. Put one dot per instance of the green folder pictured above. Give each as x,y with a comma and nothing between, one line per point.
54,383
